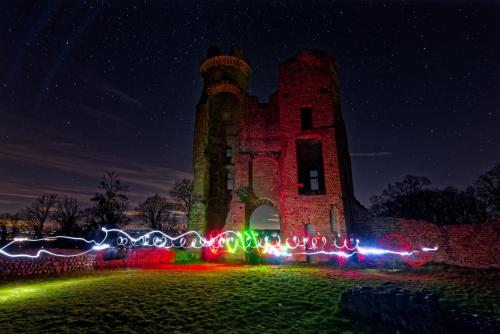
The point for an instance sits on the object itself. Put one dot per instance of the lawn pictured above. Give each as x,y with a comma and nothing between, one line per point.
210,298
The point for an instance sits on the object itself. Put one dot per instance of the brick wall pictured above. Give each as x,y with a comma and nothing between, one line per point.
45,265
309,80
471,245
48,265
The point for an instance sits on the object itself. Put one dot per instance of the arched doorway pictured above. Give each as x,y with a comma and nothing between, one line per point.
265,218
265,222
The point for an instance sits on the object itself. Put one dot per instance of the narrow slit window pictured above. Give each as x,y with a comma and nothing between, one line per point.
230,180
306,118
228,153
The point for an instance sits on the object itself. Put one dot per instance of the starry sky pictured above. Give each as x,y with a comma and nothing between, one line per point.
89,86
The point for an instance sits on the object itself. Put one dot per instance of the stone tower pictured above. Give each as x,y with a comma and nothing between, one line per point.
276,166
217,136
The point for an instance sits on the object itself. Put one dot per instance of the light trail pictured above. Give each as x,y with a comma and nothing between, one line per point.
224,242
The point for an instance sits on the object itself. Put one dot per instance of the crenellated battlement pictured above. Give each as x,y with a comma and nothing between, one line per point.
225,60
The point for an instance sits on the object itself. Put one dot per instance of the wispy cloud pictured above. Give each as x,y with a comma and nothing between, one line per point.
57,163
94,112
370,154
108,88
19,193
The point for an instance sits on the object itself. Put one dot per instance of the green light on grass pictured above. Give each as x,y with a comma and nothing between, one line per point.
43,289
259,268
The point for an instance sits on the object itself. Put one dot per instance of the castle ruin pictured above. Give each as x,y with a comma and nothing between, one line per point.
281,166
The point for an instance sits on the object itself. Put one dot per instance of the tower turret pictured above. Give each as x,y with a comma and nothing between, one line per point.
221,106
225,73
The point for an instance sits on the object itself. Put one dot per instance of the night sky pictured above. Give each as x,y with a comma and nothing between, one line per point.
88,86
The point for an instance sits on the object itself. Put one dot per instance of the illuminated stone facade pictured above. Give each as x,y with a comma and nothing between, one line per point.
290,153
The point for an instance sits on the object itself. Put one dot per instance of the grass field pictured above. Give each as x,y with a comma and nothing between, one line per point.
210,298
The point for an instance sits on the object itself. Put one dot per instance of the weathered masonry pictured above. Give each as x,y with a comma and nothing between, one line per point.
274,167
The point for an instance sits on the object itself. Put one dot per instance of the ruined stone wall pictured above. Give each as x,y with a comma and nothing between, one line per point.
260,127
108,259
45,265
470,245
255,162
264,146
309,81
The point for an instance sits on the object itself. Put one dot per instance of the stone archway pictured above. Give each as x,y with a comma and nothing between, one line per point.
264,217
265,221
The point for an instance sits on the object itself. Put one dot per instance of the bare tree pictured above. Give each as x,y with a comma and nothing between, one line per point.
3,229
154,211
38,213
171,224
488,189
14,220
111,202
182,195
67,215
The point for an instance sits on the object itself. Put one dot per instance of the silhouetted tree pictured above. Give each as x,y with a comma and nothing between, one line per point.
488,189
38,213
154,211
110,204
14,220
171,224
182,195
89,224
452,206
410,199
68,213
401,199
3,229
